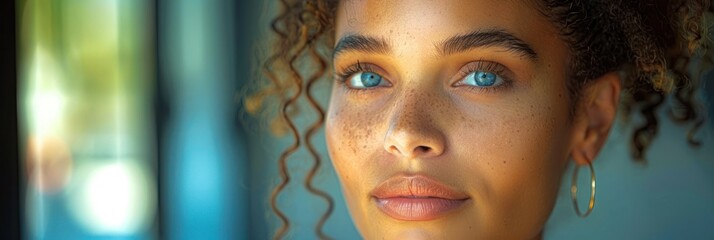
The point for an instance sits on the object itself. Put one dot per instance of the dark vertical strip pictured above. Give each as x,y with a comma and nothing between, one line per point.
160,115
246,17
242,57
243,17
10,217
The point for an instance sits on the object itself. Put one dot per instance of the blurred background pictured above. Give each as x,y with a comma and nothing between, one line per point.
125,122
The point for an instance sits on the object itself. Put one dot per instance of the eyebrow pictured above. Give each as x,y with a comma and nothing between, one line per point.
487,38
460,43
361,43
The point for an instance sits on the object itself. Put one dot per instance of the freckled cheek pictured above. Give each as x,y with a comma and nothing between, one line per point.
352,143
352,137
521,165
512,143
350,134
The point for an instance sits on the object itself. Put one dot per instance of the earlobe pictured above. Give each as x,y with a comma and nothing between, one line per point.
598,109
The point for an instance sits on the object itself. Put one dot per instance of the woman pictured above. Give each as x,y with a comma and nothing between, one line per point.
456,119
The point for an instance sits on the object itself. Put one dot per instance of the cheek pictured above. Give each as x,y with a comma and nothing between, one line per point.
352,141
352,134
516,158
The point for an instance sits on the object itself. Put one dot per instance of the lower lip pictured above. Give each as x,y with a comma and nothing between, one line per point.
417,209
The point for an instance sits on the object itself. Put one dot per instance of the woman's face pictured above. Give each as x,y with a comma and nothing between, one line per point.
452,121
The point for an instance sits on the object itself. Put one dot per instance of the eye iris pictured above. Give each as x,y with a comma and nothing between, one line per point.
484,78
370,79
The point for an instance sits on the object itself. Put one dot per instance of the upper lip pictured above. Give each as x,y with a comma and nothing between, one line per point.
415,186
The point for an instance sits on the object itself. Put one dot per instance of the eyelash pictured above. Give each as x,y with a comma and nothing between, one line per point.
349,71
344,75
485,66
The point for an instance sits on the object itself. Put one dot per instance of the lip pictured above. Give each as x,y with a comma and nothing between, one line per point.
416,198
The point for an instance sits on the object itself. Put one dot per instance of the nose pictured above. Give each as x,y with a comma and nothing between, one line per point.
413,132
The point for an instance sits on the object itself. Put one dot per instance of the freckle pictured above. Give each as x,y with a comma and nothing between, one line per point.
522,159
504,162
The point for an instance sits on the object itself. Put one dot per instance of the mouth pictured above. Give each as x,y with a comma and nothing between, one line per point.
416,198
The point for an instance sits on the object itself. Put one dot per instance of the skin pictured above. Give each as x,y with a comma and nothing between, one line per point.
506,148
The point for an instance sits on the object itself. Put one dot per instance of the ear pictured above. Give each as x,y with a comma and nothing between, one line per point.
594,117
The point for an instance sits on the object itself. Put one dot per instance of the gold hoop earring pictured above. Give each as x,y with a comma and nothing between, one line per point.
574,191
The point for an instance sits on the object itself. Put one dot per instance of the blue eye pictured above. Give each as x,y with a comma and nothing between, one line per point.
363,80
483,79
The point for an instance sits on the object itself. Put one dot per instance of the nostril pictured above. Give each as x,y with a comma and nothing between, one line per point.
422,149
394,149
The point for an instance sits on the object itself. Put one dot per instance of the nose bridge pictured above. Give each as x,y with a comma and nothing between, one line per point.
410,111
413,130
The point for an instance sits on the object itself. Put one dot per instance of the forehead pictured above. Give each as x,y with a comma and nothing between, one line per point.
432,21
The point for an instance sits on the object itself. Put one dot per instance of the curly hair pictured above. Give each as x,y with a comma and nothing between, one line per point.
651,43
